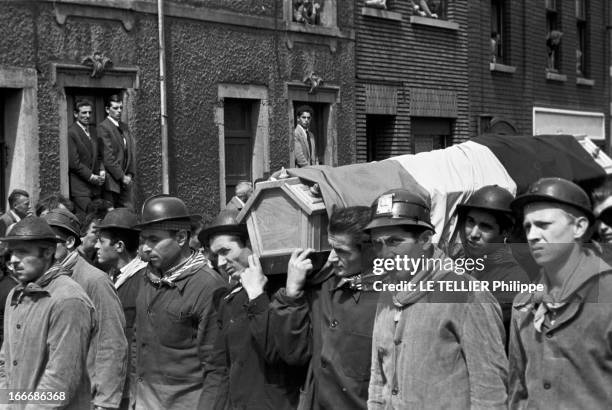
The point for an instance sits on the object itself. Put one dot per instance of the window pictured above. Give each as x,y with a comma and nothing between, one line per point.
312,12
429,134
379,134
498,40
553,36
582,39
429,8
239,140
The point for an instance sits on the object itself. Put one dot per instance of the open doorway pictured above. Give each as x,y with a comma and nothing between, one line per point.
97,96
318,126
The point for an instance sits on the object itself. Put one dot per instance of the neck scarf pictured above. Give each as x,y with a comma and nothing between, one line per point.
173,274
129,270
37,287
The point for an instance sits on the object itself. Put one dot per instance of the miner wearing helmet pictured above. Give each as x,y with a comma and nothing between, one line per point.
328,316
560,352
485,222
245,346
49,323
108,352
117,245
176,322
438,335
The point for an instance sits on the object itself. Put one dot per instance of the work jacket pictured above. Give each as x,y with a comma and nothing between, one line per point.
567,363
108,354
331,323
438,349
48,325
500,266
257,378
175,330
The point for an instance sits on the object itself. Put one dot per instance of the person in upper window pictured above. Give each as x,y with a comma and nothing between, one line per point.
307,12
421,8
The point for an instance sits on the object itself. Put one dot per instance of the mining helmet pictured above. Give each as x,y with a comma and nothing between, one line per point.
31,228
556,190
168,209
226,222
400,207
119,218
62,218
488,198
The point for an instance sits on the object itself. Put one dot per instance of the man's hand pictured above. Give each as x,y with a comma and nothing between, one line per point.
127,180
95,180
252,278
297,269
102,177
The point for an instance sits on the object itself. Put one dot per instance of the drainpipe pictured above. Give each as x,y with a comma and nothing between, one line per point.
609,38
162,94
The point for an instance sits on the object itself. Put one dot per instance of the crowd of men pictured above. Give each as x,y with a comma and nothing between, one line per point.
101,161
177,317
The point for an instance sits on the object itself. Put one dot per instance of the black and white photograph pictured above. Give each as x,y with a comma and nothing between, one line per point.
305,204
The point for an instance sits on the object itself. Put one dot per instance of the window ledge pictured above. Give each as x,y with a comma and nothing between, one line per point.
585,81
556,77
502,68
426,21
380,13
321,30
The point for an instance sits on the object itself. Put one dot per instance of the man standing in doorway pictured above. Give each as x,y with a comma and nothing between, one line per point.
119,159
19,207
85,165
304,140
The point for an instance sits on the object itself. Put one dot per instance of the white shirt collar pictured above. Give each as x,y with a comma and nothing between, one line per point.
113,121
15,216
83,128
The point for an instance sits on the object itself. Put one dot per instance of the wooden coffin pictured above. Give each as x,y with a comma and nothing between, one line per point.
284,215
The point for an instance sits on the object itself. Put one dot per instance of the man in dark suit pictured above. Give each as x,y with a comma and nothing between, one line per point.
304,148
119,158
85,165
19,207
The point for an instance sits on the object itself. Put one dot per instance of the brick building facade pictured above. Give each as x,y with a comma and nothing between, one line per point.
521,82
412,78
235,72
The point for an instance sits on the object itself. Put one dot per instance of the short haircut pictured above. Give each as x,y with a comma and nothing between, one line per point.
90,218
53,201
130,238
304,108
602,192
15,194
82,103
350,221
99,207
115,98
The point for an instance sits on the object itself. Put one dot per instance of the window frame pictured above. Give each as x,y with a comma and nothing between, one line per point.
553,22
582,37
499,20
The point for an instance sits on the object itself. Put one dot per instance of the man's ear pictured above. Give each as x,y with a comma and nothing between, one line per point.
182,237
425,237
120,247
581,226
70,242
